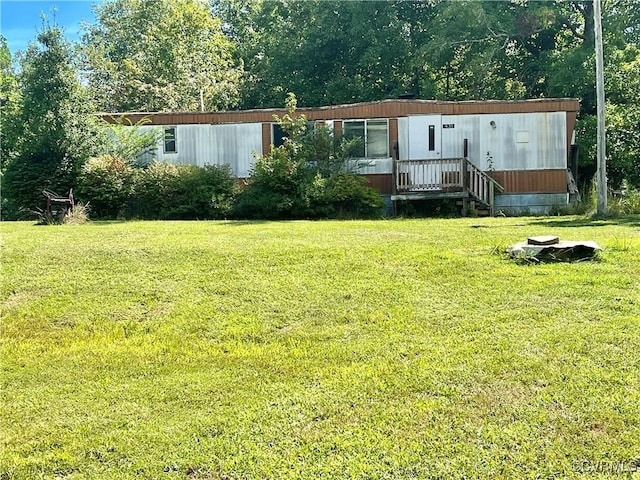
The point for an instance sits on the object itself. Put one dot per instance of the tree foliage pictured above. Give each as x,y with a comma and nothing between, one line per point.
438,49
161,55
55,129
106,184
127,140
9,105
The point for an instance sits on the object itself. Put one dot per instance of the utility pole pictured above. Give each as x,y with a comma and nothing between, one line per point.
602,138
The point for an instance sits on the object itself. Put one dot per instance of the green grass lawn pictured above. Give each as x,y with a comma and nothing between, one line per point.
363,349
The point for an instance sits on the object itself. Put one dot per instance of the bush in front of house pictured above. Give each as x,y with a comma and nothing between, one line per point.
307,176
165,191
280,189
106,183
351,197
281,186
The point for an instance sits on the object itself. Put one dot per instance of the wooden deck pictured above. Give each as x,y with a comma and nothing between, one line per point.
444,178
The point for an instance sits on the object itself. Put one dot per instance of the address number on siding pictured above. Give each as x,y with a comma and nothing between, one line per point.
448,125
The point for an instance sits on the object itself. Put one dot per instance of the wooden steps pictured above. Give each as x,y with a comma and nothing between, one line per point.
446,178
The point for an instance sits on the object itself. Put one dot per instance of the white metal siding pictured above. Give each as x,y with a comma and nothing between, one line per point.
506,143
236,144
231,144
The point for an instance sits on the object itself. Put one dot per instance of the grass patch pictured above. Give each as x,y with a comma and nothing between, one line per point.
369,349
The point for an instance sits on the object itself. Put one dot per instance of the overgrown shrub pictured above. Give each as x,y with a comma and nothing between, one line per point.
351,197
130,141
308,176
153,190
625,201
106,182
623,145
165,191
280,186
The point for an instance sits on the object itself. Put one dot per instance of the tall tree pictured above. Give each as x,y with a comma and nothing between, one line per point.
55,126
622,78
9,105
159,55
382,49
571,72
286,46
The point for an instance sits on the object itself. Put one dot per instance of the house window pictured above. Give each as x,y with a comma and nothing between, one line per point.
278,134
374,135
170,140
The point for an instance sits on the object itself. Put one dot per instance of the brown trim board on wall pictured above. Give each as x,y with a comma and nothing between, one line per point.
381,109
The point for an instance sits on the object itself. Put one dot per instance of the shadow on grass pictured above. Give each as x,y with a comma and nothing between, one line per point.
627,220
240,223
112,222
167,221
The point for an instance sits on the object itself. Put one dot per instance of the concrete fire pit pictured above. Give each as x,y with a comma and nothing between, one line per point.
549,248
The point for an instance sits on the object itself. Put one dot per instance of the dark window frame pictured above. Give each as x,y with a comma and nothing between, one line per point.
278,134
365,139
170,139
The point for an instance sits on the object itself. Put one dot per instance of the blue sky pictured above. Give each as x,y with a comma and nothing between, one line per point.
20,19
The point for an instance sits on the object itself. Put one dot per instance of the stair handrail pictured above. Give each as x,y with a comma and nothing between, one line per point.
481,185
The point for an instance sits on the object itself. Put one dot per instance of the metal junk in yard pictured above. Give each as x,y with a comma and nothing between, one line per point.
58,206
549,248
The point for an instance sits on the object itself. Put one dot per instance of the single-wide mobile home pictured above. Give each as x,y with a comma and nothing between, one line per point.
504,155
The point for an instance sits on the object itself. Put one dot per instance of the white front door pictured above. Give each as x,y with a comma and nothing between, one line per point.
425,142
425,137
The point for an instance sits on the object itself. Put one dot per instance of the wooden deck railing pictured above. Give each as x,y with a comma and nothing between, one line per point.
445,175
428,175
